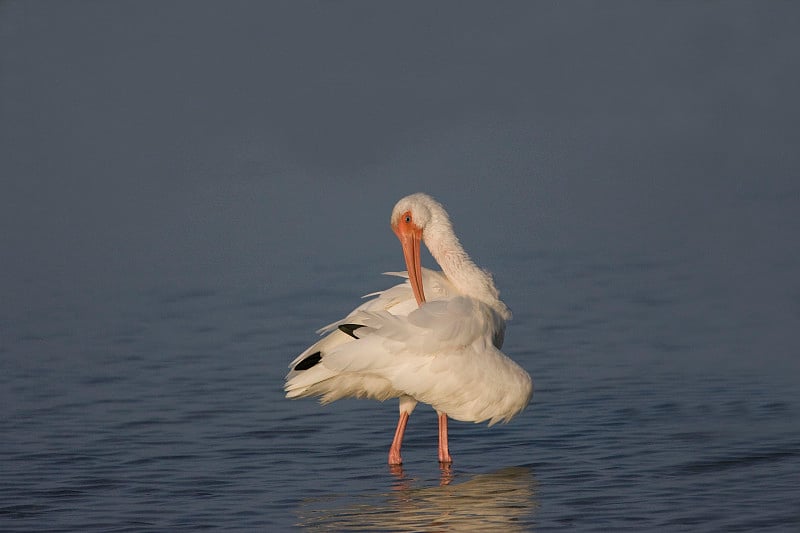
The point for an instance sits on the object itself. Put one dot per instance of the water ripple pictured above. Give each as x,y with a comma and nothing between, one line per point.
171,416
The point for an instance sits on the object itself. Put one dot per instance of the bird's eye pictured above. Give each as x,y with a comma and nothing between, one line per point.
408,218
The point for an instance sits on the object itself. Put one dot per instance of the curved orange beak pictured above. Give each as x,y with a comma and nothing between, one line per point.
410,236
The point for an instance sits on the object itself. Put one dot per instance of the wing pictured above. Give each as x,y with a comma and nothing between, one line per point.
442,353
307,372
398,300
436,327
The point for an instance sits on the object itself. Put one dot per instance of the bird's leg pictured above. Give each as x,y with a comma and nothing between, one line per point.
394,451
444,451
407,405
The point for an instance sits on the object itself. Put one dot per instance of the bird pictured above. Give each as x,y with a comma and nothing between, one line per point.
435,338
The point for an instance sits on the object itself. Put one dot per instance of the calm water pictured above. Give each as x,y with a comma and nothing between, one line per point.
661,402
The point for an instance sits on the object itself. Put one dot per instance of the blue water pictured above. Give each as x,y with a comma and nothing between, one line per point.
660,403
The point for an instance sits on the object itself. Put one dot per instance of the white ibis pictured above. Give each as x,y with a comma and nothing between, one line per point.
433,339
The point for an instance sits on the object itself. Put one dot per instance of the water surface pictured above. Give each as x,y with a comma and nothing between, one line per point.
163,409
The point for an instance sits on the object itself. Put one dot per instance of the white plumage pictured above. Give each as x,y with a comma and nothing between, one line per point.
433,339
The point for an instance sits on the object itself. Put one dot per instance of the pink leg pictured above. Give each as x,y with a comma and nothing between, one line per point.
394,451
444,451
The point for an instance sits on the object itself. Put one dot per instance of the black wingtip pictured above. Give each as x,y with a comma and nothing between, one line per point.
309,361
350,328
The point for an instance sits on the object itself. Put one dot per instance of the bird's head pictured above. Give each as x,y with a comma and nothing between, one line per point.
413,218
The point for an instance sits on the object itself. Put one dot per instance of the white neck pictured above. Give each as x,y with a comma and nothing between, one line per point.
459,268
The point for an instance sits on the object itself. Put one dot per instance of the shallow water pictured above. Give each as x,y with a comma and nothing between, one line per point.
654,408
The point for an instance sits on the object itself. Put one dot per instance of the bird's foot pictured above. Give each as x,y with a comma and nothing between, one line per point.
394,458
397,471
447,473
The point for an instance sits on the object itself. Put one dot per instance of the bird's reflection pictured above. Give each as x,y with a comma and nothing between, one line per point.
500,501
